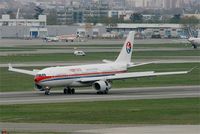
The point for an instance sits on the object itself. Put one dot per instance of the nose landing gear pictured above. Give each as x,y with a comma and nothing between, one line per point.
47,91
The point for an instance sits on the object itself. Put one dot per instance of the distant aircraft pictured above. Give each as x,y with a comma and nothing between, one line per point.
67,38
99,76
194,41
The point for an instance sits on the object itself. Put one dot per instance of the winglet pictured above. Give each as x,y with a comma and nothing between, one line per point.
192,69
10,66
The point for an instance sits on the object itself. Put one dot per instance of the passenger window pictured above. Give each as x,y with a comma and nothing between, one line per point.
41,75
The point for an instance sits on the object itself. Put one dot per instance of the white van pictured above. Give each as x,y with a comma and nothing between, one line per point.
79,53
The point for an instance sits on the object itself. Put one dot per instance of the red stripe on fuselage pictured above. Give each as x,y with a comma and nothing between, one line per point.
40,78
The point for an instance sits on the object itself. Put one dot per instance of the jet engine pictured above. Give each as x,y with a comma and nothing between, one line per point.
102,86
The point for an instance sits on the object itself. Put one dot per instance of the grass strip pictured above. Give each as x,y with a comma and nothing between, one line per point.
157,111
94,56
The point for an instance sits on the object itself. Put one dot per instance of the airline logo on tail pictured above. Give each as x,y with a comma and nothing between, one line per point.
128,47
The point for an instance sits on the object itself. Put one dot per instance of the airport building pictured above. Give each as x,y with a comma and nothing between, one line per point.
73,14
125,14
50,30
37,28
150,30
23,27
7,21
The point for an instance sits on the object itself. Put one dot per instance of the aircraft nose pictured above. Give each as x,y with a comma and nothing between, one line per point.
36,79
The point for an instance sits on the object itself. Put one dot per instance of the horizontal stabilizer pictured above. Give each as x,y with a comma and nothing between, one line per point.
140,64
107,61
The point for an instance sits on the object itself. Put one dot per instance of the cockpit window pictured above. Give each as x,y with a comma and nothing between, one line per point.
41,75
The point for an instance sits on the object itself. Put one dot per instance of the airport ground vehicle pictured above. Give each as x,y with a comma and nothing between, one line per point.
51,39
79,53
194,41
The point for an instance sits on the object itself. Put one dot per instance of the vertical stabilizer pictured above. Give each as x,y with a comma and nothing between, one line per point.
126,52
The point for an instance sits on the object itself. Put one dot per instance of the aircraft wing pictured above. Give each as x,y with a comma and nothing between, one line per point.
34,72
131,75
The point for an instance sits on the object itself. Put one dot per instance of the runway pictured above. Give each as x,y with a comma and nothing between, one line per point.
102,128
90,95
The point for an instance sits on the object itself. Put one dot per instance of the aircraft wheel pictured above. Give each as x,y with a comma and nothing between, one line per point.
72,91
69,91
194,46
65,91
47,92
102,92
106,92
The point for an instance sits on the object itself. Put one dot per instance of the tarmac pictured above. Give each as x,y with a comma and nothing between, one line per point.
17,42
101,128
86,95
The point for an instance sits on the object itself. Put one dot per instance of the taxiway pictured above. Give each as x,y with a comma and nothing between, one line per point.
102,128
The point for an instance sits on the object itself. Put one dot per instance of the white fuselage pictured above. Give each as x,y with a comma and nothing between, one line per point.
70,75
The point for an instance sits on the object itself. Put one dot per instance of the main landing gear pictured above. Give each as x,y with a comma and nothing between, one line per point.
69,90
103,92
194,46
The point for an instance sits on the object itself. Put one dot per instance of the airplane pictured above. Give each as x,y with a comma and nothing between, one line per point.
194,41
67,38
99,76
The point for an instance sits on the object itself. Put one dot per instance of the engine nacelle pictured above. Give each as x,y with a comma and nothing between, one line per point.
101,85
